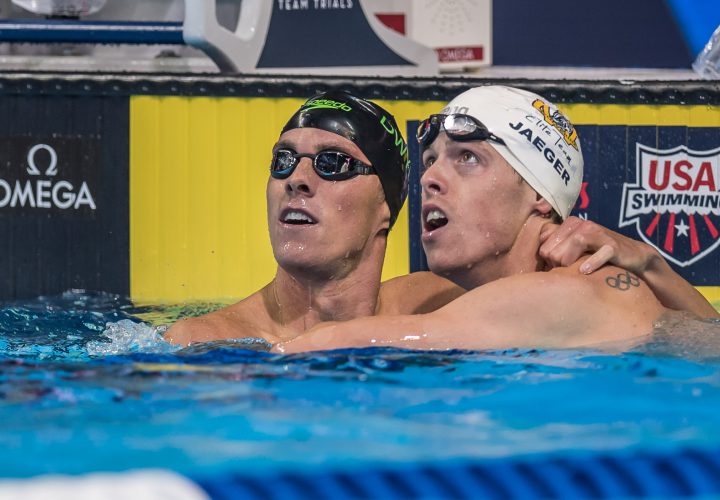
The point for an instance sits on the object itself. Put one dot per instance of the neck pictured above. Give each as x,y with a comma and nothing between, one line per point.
299,301
521,258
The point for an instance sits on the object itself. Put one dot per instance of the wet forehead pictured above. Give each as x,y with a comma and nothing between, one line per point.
313,140
444,143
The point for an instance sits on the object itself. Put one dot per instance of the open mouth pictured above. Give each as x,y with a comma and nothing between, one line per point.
434,219
296,217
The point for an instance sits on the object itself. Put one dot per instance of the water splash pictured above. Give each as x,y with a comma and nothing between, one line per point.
127,336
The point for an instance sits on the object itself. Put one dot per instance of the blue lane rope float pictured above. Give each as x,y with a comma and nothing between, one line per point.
684,473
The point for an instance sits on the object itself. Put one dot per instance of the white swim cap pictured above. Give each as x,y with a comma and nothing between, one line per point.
540,143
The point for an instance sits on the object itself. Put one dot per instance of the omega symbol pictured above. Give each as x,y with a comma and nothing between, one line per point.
32,167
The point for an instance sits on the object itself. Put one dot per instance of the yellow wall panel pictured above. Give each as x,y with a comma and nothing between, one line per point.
640,114
397,260
712,294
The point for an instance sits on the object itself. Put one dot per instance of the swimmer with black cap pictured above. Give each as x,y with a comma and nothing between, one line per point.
500,165
338,179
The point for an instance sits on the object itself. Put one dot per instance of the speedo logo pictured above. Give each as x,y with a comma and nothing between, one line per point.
326,104
559,121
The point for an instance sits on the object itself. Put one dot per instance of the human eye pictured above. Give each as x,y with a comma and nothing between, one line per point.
468,157
427,162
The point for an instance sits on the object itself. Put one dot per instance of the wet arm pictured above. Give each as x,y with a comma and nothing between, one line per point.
211,327
180,333
490,317
563,245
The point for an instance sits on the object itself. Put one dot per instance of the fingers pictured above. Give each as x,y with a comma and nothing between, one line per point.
552,234
562,245
573,239
547,231
567,251
598,259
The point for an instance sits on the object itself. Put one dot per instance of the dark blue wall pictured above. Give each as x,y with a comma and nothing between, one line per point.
610,33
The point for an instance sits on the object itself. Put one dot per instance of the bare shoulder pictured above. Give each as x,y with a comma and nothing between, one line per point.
613,283
417,293
616,303
559,308
242,319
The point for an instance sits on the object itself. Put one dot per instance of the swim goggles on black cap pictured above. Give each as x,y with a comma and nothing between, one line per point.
329,165
461,128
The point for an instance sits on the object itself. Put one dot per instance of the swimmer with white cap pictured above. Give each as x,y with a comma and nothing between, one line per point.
500,165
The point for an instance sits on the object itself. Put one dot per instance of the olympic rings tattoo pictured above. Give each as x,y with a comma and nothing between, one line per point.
622,281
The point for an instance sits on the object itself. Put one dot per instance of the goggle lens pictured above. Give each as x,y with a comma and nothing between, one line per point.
330,165
458,127
282,160
463,125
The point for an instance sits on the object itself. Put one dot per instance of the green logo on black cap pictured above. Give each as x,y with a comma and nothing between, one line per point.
397,138
326,104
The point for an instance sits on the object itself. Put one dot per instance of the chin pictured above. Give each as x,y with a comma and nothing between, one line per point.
293,254
453,270
444,269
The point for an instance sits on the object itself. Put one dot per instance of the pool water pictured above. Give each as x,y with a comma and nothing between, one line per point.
88,384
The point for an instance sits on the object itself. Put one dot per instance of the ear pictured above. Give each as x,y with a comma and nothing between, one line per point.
542,207
383,219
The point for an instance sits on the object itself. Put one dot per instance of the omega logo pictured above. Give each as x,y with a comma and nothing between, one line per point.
44,193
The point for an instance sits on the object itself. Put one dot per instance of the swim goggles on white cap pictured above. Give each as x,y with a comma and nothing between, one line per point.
461,128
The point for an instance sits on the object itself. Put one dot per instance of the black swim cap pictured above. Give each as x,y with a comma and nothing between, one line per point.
370,127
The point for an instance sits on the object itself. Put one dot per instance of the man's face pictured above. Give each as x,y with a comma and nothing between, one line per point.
474,206
322,226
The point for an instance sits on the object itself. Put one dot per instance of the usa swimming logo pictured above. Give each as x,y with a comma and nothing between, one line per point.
674,202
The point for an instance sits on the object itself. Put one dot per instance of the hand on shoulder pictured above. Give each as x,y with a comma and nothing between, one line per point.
564,244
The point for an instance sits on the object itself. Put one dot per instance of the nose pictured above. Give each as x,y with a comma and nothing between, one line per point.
302,180
433,180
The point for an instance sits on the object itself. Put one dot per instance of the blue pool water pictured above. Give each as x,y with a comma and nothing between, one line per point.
87,384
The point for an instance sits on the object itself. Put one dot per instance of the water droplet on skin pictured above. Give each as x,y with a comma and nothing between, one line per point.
487,235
